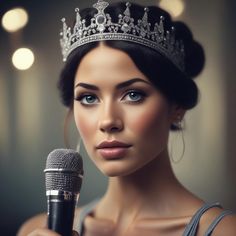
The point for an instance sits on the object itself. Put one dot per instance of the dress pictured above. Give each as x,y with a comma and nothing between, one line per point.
190,230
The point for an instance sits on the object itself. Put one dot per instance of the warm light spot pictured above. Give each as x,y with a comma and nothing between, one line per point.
174,7
14,19
23,58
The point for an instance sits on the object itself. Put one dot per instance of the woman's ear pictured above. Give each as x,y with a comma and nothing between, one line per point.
177,113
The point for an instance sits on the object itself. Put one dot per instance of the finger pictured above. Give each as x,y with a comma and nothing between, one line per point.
75,233
43,232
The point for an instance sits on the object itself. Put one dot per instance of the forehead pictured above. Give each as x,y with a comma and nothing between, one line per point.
104,62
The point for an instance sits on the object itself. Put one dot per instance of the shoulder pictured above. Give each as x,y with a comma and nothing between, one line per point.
82,212
225,226
38,221
92,225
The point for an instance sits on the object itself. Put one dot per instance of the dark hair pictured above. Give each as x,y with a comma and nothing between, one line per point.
178,87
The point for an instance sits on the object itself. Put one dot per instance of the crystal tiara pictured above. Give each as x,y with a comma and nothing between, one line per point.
126,29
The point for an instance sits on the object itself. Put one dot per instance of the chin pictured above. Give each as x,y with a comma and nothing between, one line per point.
116,169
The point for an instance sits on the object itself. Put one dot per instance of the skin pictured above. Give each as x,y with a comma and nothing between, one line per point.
143,121
144,172
114,100
115,113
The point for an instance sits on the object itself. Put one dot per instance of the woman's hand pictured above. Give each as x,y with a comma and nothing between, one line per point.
36,226
47,232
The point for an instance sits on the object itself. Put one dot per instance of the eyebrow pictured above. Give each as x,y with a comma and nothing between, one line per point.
118,86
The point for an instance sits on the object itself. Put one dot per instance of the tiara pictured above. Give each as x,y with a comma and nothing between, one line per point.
126,29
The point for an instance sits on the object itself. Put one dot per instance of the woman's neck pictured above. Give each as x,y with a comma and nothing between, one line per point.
152,188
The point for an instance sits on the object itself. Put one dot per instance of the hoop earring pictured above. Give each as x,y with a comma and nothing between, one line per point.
177,133
78,146
66,127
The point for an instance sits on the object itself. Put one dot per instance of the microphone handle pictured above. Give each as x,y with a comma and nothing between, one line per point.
61,208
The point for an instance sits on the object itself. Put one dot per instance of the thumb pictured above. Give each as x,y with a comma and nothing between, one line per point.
75,233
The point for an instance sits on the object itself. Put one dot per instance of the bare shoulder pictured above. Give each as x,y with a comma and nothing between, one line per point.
226,226
38,221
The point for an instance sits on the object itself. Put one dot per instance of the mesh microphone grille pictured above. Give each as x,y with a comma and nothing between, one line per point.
70,165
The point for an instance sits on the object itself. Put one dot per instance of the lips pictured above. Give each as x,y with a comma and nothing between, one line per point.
113,149
112,144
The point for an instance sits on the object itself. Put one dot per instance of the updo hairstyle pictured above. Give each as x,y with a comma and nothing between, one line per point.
177,86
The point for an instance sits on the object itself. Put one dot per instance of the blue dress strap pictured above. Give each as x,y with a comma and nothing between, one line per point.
191,228
216,221
85,210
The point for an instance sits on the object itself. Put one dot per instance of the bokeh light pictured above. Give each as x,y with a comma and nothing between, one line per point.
23,58
14,19
174,7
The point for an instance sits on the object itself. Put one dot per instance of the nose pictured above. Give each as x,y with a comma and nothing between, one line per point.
111,119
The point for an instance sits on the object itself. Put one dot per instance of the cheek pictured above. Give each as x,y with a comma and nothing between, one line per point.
84,123
150,122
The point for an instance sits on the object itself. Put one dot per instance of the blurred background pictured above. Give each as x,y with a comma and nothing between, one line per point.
31,115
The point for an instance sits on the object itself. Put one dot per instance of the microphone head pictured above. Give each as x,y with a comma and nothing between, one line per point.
64,171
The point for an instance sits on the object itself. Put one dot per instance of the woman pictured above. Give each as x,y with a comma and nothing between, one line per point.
128,81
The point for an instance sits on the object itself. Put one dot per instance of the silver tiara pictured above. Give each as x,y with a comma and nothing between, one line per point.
102,27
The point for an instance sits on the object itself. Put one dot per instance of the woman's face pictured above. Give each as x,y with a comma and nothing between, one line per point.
122,118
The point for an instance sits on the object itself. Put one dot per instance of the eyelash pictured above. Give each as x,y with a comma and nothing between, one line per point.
83,96
140,93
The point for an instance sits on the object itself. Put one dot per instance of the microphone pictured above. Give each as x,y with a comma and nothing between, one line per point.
63,177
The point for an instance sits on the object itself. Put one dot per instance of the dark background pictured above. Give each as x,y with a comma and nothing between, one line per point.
31,116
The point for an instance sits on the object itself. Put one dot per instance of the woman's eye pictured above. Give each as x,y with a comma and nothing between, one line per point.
134,96
87,99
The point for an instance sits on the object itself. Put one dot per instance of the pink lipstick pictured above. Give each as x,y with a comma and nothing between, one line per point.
113,149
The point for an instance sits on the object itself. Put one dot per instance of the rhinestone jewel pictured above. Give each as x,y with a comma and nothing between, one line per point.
102,27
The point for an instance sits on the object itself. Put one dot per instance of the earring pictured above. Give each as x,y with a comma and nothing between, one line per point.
176,136
178,122
78,146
